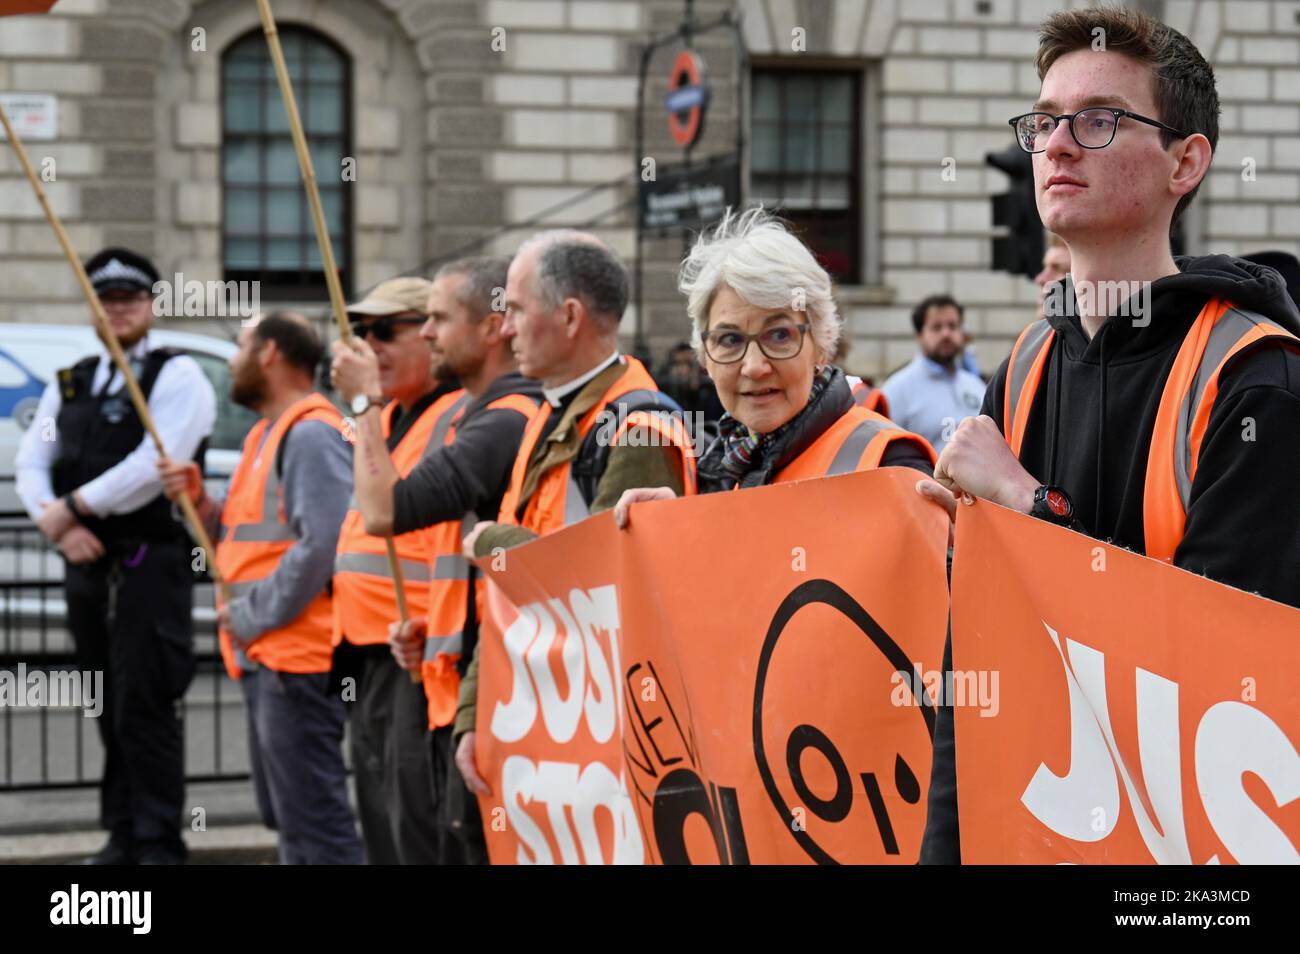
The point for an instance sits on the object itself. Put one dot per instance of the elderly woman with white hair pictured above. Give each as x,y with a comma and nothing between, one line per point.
765,325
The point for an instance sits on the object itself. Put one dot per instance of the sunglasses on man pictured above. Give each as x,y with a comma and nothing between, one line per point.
384,327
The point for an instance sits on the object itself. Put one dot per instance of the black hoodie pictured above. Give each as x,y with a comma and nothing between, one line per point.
1089,432
1089,428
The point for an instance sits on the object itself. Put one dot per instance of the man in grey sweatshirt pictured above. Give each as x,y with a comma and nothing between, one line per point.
279,623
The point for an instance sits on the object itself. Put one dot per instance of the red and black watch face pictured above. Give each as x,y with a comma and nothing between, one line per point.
1058,503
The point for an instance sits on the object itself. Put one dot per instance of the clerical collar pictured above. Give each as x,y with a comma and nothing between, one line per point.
555,396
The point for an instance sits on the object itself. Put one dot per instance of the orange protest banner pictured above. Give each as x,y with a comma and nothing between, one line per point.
729,680
1145,714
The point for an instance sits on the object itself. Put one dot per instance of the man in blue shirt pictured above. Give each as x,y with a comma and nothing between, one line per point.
934,392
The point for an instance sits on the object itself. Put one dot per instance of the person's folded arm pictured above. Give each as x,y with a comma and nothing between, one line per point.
37,451
184,409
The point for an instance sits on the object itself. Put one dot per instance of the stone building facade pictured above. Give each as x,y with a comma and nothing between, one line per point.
468,123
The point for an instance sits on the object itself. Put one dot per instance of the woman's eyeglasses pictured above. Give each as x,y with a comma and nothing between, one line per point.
778,343
382,328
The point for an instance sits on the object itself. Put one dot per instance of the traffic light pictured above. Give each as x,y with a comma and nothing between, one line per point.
1020,251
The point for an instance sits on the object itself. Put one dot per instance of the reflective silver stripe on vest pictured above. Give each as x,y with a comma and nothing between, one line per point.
575,508
434,645
1032,343
850,452
269,529
440,428
375,564
450,566
1226,332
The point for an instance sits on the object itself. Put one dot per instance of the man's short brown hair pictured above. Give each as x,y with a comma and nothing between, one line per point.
1183,81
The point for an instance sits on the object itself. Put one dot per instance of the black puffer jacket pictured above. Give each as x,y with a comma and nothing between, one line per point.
833,403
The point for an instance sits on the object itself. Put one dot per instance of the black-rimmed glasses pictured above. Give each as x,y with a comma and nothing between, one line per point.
1092,128
778,343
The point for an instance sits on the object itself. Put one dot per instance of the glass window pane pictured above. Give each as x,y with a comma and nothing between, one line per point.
800,147
766,146
324,109
837,99
801,98
243,211
247,69
837,149
284,254
833,193
798,192
275,119
324,64
331,200
313,253
284,211
327,160
243,161
292,42
282,163
767,97
243,253
243,107
766,189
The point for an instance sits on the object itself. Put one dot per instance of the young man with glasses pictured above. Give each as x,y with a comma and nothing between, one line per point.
1090,422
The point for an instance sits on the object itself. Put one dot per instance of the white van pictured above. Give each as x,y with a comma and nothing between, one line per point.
30,355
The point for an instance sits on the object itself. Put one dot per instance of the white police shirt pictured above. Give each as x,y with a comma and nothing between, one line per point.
184,410
929,399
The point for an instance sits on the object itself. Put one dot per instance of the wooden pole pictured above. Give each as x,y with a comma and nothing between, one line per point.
114,349
338,305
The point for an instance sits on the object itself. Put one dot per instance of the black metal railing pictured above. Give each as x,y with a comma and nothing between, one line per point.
43,747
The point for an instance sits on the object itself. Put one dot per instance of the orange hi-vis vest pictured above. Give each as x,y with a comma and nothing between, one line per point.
857,441
364,598
447,598
558,501
873,399
255,534
1220,332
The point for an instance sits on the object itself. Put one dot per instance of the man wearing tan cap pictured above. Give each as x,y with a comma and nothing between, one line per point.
390,752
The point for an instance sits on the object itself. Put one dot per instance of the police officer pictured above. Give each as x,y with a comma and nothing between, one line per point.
86,474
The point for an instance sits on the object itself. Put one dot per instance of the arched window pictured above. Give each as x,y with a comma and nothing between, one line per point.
267,229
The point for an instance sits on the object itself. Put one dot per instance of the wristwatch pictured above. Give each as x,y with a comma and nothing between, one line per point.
364,402
1053,505
70,502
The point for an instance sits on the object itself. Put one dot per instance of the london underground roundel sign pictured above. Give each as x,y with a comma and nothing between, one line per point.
687,99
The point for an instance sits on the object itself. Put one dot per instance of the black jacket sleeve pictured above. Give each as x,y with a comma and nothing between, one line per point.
470,473
941,842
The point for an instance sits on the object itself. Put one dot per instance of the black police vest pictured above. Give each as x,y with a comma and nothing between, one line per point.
96,432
